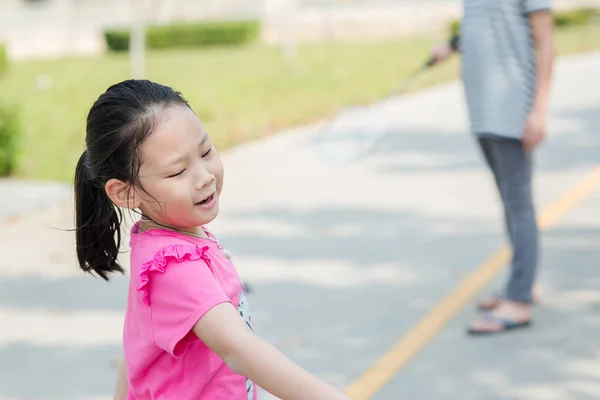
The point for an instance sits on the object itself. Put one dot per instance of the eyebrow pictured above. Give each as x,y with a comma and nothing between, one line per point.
183,157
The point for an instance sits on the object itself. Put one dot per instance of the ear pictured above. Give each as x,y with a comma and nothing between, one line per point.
122,194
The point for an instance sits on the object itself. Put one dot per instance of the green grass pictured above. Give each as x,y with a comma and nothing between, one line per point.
239,93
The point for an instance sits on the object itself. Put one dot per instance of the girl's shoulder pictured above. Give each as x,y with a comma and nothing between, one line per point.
156,251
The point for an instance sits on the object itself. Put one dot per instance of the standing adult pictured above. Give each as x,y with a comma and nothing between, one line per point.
507,56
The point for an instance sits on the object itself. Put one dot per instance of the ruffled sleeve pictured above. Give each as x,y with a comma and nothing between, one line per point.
179,286
176,253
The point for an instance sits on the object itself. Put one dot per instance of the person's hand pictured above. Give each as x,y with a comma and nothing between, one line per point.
535,130
441,52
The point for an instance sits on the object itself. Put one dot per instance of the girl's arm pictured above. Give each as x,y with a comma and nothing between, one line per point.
122,387
223,331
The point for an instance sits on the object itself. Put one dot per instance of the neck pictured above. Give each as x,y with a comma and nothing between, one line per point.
147,222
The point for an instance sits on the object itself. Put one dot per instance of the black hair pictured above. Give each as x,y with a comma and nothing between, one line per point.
118,123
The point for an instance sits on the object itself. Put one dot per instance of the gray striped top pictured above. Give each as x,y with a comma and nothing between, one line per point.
498,64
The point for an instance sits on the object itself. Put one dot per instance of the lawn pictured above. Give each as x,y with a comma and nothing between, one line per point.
239,93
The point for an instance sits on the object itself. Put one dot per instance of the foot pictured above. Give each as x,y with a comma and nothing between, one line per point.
508,315
492,302
489,303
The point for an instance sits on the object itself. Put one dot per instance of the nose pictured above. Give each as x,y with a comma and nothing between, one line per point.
204,177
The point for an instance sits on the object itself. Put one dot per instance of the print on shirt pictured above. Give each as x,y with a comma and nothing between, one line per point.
244,311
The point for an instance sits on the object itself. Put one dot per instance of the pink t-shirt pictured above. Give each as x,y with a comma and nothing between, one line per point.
175,280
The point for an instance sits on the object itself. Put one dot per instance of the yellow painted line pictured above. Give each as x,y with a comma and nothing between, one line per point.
390,363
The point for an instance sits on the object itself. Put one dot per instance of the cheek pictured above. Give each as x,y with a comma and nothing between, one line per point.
153,196
216,168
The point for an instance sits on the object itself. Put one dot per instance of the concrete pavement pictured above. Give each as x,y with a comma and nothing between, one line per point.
557,359
345,260
24,196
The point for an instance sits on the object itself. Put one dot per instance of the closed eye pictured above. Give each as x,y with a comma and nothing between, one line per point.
177,174
207,153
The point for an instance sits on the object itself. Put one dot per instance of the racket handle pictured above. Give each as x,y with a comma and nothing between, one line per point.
430,62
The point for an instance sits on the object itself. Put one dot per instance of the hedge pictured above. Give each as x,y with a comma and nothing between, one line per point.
562,19
3,59
188,35
580,16
9,134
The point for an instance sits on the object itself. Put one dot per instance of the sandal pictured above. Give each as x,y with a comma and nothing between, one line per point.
506,325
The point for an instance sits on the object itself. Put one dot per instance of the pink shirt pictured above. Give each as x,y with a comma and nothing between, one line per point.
175,280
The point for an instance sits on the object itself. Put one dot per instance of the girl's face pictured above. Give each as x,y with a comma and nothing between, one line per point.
181,172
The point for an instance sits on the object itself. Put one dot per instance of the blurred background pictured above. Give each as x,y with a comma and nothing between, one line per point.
344,261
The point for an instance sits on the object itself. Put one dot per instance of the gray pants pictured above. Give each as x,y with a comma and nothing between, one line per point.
512,168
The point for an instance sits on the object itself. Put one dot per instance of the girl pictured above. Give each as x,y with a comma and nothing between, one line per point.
187,332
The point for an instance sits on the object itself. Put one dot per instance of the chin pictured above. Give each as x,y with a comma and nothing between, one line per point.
209,216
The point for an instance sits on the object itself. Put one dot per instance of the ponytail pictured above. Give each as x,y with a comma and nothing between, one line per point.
97,222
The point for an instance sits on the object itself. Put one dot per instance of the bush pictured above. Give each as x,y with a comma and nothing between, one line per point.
454,28
575,17
117,40
188,35
3,59
562,19
9,133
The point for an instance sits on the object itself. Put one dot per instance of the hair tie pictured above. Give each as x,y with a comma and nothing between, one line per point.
87,162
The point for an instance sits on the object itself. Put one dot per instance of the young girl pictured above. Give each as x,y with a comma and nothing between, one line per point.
187,333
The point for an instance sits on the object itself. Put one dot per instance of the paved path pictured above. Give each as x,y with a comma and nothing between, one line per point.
344,261
24,196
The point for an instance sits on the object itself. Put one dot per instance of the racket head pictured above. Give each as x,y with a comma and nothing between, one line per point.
356,131
351,134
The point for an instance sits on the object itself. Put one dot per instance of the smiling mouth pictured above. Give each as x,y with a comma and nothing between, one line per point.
206,200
